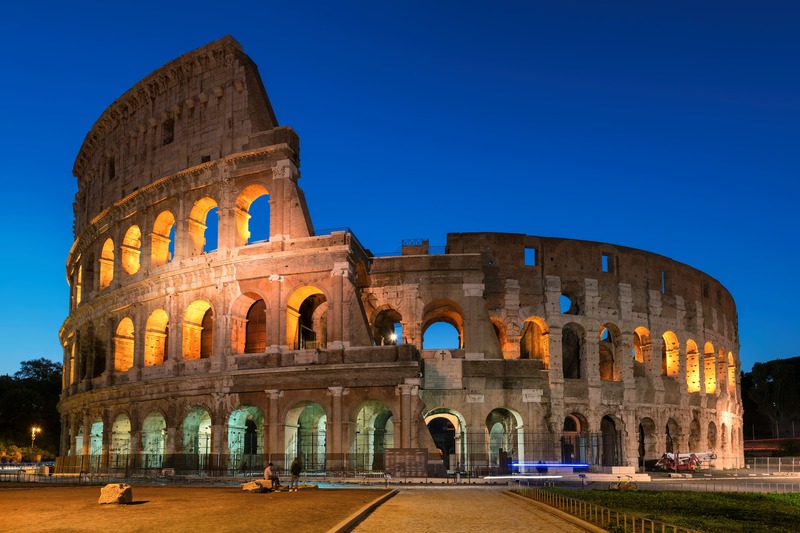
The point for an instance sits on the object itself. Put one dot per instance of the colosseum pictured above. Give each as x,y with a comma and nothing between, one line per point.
212,329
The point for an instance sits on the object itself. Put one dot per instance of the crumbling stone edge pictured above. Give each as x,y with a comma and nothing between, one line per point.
349,523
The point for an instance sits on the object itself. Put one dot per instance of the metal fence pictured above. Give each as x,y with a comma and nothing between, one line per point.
600,516
771,465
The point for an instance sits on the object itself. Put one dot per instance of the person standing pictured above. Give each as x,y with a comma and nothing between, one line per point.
295,470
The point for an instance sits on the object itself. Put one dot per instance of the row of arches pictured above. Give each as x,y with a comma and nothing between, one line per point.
200,232
613,351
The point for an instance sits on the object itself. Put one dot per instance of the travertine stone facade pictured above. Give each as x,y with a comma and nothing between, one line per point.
188,338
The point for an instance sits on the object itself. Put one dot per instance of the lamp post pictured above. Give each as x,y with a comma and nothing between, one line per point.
34,431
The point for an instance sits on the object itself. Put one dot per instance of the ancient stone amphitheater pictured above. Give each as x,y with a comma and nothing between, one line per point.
211,329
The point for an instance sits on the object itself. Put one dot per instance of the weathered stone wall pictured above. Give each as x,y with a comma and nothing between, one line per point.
267,348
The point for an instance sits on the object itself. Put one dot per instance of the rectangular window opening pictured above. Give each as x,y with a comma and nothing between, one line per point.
705,289
112,169
530,256
607,262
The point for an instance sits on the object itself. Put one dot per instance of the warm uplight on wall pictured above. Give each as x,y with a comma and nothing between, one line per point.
393,338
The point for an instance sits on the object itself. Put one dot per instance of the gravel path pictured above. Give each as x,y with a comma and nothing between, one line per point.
461,510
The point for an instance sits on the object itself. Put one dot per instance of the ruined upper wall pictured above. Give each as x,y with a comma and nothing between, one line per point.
205,105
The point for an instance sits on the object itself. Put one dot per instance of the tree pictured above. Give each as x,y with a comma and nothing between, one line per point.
774,388
29,399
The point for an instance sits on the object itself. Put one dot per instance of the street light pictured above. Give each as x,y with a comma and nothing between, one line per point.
34,431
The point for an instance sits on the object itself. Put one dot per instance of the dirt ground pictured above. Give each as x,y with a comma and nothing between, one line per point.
176,508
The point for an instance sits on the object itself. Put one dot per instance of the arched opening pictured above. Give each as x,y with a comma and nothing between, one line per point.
246,438
163,239
712,436
98,351
506,440
156,338
611,453
106,264
306,324
197,432
440,336
692,367
448,430
574,440
120,441
258,222
197,327
642,351
572,351
731,374
123,345
256,328
647,443
154,433
609,362
710,368
670,355
88,274
245,209
671,436
131,250
374,432
198,223
695,439
534,341
306,436
387,328
96,443
568,304
442,326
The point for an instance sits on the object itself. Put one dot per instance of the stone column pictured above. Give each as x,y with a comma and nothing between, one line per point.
472,342
336,451
271,438
406,390
87,434
335,317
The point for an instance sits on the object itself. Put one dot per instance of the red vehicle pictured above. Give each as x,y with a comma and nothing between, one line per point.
683,462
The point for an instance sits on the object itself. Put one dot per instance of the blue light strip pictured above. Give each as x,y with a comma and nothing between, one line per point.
555,465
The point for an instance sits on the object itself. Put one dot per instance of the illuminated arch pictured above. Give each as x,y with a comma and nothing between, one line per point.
154,439
670,354
374,432
499,332
156,338
306,318
305,434
239,311
196,432
642,351
245,435
197,331
131,250
106,264
120,441
242,212
534,342
710,368
506,439
731,373
198,223
692,367
161,239
123,345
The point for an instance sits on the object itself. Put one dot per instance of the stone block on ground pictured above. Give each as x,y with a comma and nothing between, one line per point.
116,493
259,485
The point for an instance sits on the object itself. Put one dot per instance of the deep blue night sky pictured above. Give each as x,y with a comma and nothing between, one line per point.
671,127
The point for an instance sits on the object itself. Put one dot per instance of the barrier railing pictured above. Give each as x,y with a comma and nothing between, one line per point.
600,516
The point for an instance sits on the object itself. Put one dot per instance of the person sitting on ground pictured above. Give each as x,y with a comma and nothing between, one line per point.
272,476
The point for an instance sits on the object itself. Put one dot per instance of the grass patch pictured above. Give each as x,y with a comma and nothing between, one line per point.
711,512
